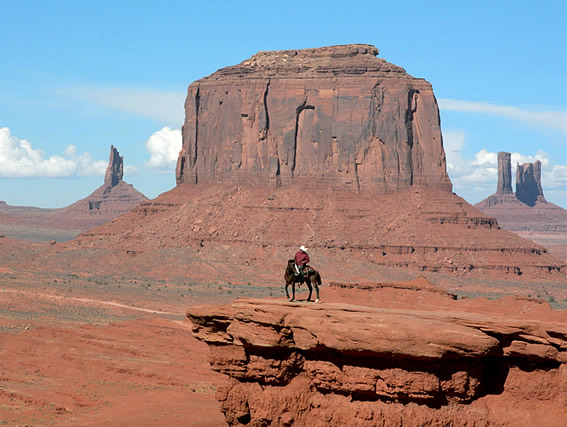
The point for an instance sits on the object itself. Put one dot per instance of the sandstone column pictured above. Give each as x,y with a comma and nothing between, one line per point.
528,183
504,173
115,169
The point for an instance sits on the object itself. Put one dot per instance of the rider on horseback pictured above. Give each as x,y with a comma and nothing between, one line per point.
301,259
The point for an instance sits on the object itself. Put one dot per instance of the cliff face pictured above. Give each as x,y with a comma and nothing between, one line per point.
504,173
335,116
341,364
115,169
528,183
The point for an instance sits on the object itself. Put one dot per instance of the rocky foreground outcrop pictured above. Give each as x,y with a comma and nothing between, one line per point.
341,364
334,116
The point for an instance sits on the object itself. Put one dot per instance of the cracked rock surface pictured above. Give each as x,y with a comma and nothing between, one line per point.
323,364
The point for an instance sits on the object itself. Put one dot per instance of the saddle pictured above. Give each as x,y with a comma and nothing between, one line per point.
306,270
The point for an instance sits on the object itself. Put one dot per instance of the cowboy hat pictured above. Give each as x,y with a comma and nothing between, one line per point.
303,248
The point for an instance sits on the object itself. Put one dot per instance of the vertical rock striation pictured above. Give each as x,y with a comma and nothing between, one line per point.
504,174
115,168
528,183
334,116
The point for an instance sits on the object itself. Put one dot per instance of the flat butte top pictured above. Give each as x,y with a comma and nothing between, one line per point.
323,62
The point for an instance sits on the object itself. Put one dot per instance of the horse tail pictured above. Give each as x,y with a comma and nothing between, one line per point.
318,276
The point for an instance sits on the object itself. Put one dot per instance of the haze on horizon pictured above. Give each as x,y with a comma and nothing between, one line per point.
83,76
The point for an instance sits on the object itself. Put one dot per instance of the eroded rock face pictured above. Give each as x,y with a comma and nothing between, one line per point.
334,116
528,183
504,174
115,168
328,364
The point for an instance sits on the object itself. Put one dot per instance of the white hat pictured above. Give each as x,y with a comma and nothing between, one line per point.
303,248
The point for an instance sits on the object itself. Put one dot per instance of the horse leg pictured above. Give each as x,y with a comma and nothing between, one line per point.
316,283
308,282
286,291
292,291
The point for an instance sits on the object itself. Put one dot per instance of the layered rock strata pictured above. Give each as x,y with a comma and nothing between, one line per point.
335,116
339,364
252,230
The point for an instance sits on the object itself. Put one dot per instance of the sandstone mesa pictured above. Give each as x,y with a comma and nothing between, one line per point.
335,116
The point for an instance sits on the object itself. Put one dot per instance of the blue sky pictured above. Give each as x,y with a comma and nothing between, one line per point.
78,76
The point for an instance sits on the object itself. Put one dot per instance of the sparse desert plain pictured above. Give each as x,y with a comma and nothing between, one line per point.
103,350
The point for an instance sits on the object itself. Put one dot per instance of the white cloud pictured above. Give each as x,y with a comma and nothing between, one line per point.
164,146
556,120
19,160
476,178
164,106
484,157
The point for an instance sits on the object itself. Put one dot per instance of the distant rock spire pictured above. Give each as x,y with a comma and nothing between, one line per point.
115,168
528,183
504,173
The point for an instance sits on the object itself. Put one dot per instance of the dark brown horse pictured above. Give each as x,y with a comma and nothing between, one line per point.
310,277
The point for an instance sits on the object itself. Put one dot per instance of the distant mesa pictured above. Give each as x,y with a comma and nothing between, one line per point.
527,212
528,184
529,191
504,174
112,199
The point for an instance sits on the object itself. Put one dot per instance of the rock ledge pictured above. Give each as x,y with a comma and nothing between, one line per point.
328,363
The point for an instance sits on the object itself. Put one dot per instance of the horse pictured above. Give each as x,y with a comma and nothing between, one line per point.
310,277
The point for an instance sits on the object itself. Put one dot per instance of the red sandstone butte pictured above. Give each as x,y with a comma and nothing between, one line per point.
338,116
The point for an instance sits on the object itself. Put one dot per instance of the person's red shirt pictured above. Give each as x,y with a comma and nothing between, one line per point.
301,258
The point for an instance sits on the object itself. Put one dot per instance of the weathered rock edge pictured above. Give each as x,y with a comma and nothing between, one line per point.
294,362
